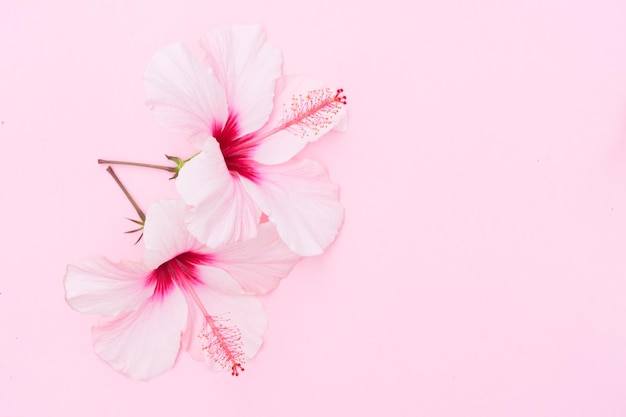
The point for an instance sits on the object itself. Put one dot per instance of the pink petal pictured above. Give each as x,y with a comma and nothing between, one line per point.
222,212
299,199
257,264
99,286
247,66
282,144
165,233
226,302
184,94
143,343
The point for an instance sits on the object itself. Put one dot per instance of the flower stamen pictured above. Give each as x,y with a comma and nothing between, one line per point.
314,111
221,342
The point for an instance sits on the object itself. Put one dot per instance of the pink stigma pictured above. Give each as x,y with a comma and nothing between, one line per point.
236,368
340,98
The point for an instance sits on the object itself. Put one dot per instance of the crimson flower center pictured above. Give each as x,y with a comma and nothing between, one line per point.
235,150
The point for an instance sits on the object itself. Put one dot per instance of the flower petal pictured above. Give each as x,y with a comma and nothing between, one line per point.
282,145
99,286
185,94
226,302
257,264
143,343
247,66
300,200
165,233
222,212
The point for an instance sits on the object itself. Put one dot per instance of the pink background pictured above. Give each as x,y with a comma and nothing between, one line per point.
480,270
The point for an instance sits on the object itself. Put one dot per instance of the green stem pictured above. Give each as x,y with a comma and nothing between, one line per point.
138,164
140,212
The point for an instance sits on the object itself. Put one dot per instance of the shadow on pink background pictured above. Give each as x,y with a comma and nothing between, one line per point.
480,270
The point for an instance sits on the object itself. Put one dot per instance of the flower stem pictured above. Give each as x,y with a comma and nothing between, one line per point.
138,164
140,212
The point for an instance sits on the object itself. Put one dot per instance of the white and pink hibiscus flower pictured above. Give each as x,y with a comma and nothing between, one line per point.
248,122
183,296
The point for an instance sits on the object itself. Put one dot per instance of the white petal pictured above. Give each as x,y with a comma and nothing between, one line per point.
225,302
184,93
282,145
299,199
99,286
257,264
165,233
222,212
247,66
143,343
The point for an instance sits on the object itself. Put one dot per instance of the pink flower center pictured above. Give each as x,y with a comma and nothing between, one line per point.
221,340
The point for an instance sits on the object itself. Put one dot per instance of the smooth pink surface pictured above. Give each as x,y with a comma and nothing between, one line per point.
480,270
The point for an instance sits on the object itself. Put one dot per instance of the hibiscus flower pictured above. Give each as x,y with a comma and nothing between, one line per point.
181,296
248,122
